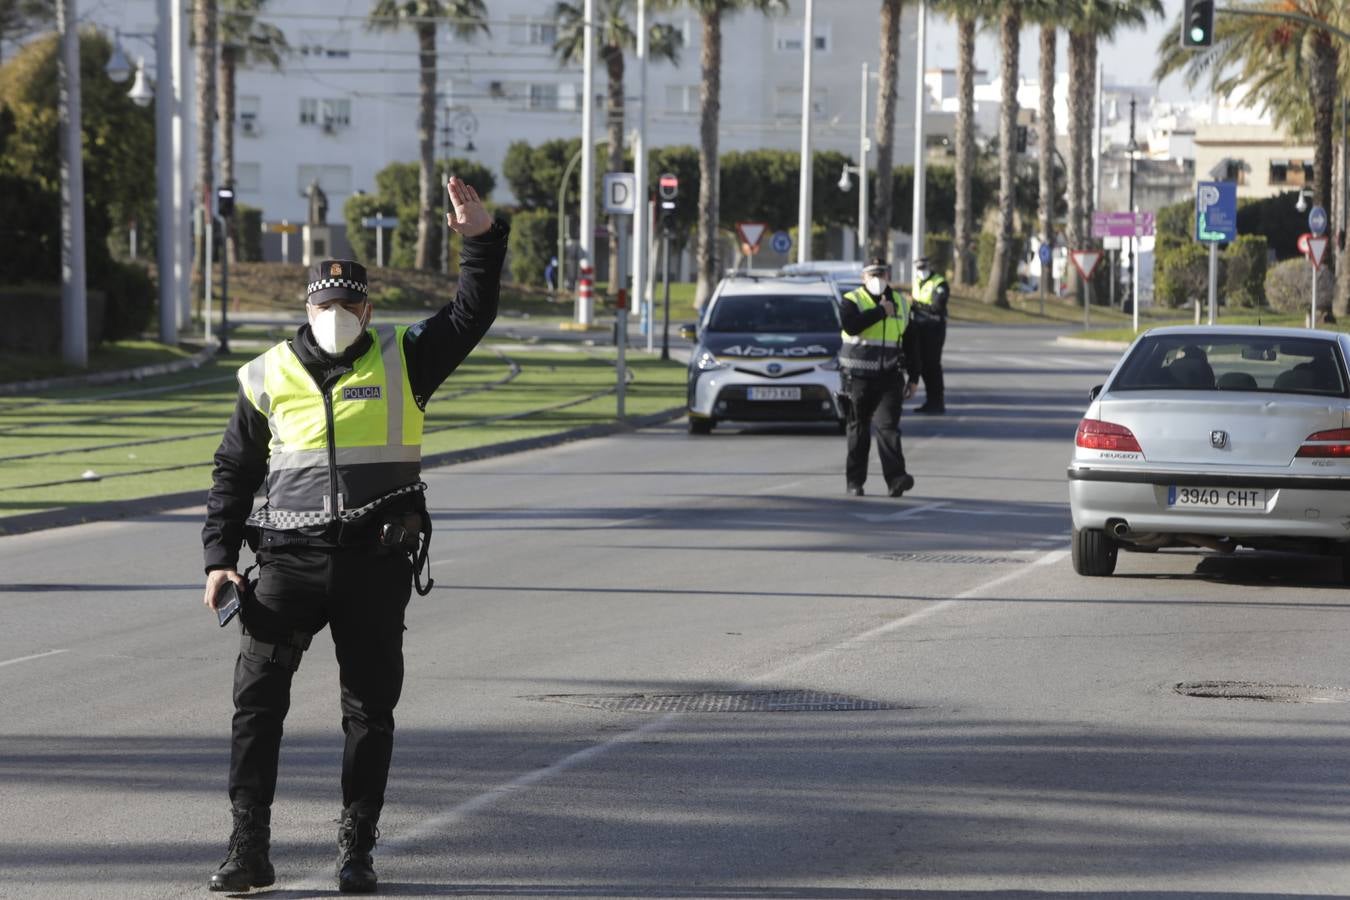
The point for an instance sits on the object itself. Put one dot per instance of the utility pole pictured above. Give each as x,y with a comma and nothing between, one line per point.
642,215
1134,241
804,181
920,176
587,236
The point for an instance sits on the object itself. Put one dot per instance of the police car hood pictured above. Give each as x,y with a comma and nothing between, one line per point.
769,345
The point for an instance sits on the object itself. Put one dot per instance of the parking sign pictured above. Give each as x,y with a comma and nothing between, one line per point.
1216,212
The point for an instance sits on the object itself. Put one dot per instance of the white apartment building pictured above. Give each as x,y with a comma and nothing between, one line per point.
344,104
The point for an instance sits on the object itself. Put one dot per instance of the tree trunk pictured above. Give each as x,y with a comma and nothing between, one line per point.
1324,91
204,38
710,59
1074,175
963,248
1010,26
612,56
427,232
225,97
1045,138
1341,300
1087,134
879,219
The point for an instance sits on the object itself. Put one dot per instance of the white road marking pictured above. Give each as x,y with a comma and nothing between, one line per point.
10,662
432,825
902,514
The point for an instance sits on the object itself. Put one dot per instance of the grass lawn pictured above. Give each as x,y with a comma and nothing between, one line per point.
105,358
158,436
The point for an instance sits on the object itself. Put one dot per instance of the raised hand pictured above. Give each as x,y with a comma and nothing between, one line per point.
470,218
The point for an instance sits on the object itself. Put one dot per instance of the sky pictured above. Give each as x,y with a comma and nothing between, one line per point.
1130,59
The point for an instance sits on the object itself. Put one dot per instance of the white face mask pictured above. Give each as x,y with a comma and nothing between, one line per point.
923,274
875,285
335,329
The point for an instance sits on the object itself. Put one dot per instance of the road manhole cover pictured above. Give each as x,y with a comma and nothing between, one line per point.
722,702
1257,690
956,558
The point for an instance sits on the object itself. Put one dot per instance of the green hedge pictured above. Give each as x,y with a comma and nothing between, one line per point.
130,300
938,248
534,240
1181,274
1244,271
248,233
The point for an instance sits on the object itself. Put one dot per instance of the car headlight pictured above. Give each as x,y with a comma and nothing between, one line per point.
831,365
706,362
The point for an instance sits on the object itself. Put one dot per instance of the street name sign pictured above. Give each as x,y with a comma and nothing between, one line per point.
379,222
1122,224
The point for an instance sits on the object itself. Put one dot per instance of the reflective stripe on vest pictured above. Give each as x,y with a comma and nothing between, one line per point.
924,290
376,442
876,349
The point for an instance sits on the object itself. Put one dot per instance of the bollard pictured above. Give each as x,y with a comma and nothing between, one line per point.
585,284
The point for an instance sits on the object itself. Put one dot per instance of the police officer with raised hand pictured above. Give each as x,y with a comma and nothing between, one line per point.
330,421
929,314
877,353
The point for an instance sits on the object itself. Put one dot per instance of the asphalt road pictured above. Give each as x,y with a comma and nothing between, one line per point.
1018,732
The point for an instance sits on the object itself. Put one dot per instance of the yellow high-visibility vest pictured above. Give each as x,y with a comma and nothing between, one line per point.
876,349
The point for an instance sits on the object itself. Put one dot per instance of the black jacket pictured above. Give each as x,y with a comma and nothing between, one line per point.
856,321
433,348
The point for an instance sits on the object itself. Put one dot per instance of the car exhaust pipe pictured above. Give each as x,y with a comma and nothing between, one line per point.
1119,528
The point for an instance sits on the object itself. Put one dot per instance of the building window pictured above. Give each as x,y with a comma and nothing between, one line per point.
788,37
533,32
334,180
1291,172
324,44
247,177
309,111
788,102
543,96
335,114
246,108
682,98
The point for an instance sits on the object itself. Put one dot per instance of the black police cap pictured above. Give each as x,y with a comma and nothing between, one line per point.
337,279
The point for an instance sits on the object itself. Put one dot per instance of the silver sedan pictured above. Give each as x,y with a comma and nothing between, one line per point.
1216,437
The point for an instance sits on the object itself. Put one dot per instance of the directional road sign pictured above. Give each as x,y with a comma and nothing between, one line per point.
780,242
1216,212
1085,261
1044,254
1317,250
379,222
1317,220
620,194
751,233
284,228
1122,224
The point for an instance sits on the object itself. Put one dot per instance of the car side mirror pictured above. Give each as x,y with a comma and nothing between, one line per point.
689,331
1094,391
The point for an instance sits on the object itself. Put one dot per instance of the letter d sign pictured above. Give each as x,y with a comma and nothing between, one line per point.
620,193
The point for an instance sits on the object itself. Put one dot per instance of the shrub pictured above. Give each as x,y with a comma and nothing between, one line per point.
534,240
1289,287
1181,274
248,233
1244,271
129,300
938,248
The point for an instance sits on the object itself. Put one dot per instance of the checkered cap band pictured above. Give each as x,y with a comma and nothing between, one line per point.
325,283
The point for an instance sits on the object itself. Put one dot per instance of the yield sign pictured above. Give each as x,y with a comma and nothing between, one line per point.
1085,261
751,232
1317,248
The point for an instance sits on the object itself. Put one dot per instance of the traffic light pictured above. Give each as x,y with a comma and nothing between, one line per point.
667,189
225,202
1197,24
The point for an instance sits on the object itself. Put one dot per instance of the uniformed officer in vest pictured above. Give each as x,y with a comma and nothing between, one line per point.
876,355
331,422
930,325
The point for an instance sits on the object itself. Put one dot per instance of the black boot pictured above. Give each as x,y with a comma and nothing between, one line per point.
246,864
356,839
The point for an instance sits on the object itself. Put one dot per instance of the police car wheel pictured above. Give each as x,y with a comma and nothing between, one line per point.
700,425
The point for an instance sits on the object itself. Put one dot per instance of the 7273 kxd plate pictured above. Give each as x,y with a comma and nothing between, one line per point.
773,393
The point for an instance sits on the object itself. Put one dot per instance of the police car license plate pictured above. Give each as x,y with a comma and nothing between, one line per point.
1252,500
774,393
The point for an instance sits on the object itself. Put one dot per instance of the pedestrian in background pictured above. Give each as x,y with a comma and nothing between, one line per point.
877,353
929,313
330,421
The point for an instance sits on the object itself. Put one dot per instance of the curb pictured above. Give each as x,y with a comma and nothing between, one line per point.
125,509
112,377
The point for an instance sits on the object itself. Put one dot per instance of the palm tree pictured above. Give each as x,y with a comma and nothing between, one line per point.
1283,64
1045,135
204,40
1009,39
243,39
466,19
710,111
880,217
614,37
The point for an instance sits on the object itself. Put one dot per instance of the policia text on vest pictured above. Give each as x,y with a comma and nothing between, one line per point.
330,423
875,356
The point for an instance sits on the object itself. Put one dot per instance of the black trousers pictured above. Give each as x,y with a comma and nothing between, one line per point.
931,335
874,401
361,594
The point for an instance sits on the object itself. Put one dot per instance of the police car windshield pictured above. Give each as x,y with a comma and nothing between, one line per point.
782,313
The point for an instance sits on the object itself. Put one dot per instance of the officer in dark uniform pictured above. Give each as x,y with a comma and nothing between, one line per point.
877,352
929,320
331,422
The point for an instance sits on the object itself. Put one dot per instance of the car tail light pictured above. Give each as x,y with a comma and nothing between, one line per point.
1334,443
1094,434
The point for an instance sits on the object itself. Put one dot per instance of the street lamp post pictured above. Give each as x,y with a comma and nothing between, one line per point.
74,297
804,181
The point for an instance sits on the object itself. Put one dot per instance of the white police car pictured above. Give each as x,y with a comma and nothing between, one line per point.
767,351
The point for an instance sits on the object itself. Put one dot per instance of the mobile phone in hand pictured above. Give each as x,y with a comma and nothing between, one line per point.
227,602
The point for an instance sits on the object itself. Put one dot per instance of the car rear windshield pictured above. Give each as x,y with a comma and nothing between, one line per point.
781,313
1230,362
